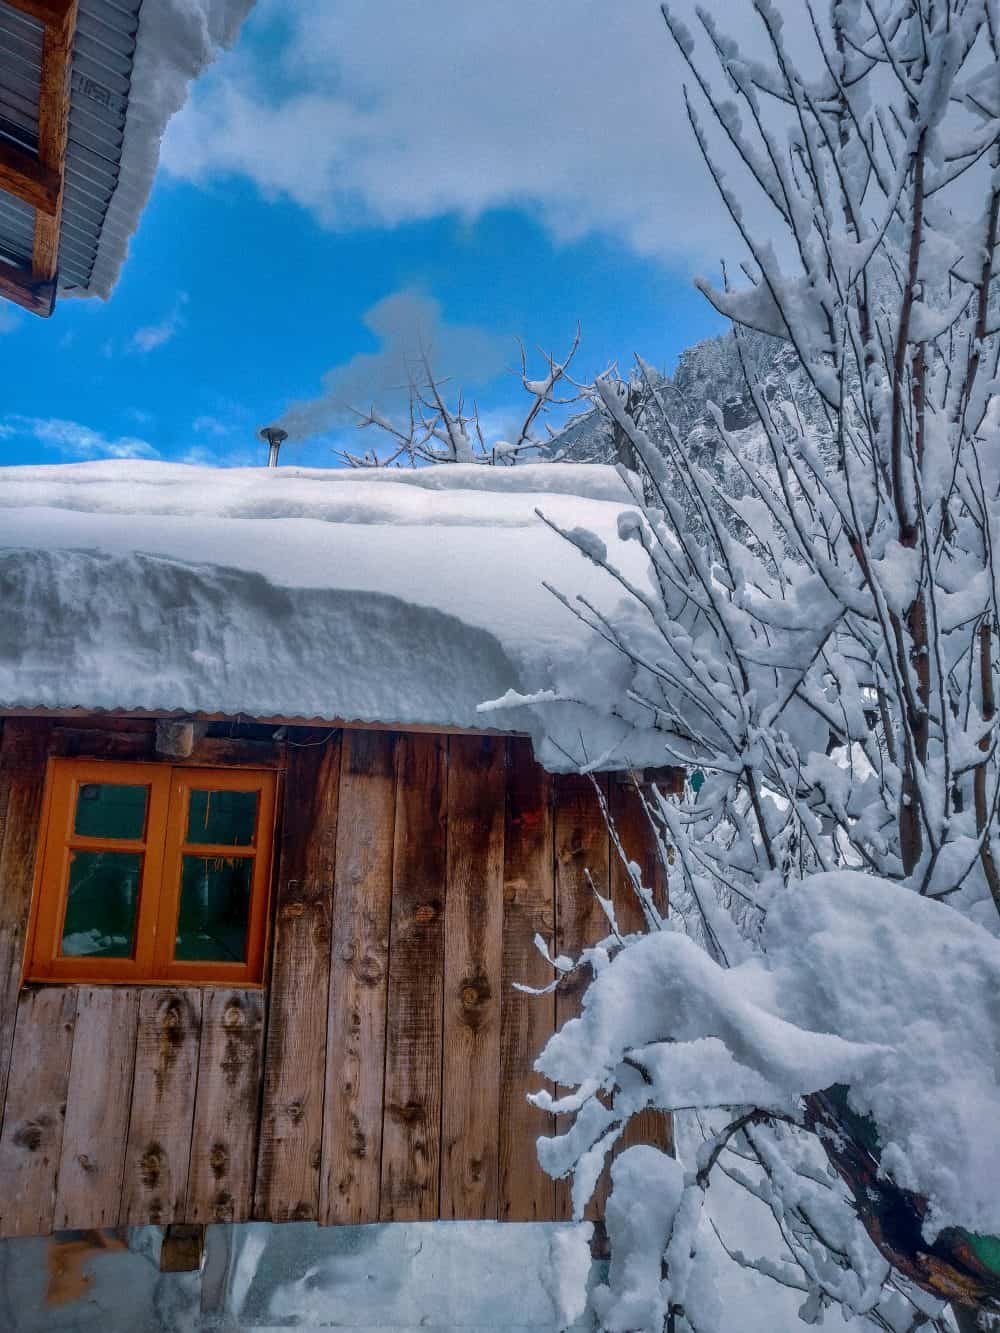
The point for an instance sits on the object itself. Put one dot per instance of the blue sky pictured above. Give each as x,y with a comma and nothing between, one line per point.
257,265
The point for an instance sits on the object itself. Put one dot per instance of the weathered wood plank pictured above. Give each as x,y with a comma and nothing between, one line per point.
633,829
163,1097
224,1136
636,836
526,1021
31,1140
53,129
22,174
477,772
136,740
97,1108
290,1153
45,11
18,285
362,911
411,1136
136,743
581,836
24,746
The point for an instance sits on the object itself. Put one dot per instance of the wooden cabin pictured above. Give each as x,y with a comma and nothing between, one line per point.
255,967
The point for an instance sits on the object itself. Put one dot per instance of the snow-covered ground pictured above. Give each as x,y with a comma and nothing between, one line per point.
435,1277
400,1277
379,596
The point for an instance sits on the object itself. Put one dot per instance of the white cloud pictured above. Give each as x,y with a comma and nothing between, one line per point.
408,325
571,110
208,425
151,336
73,440
9,319
202,457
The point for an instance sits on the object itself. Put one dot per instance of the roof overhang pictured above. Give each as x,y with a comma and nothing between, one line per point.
87,88
34,128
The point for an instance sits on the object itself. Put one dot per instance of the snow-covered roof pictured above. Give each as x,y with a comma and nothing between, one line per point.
397,596
129,71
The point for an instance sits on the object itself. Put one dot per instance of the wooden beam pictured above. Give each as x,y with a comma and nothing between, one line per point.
183,1248
271,720
53,130
22,173
18,285
49,12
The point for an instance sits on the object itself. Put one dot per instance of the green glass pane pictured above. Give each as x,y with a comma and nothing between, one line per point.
215,909
101,906
226,818
107,810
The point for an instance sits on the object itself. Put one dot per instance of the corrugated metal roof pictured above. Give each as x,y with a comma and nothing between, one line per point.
21,61
17,229
102,69
103,51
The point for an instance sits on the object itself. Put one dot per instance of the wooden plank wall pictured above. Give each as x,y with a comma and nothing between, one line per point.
382,1074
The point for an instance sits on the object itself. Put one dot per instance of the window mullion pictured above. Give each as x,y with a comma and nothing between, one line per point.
155,877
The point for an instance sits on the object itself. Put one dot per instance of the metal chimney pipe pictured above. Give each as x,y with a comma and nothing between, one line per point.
275,437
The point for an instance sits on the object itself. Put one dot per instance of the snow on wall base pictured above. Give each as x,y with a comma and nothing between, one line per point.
402,1276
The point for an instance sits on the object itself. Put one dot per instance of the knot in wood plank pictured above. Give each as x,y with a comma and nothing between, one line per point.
411,1113
475,994
31,1134
234,1016
151,1165
218,1160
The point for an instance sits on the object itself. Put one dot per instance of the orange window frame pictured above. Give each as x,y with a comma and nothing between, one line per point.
162,848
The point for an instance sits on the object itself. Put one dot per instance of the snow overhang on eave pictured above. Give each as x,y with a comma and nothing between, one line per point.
86,90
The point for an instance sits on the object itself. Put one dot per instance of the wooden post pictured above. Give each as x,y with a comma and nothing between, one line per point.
411,1135
526,1021
581,849
359,977
24,747
470,1099
182,1249
53,131
291,1136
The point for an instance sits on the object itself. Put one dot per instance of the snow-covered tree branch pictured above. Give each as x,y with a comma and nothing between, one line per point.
822,642
436,431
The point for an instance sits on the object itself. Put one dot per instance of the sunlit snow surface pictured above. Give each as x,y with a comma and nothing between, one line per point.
387,596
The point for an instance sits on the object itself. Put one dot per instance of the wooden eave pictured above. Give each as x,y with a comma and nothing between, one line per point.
70,714
38,179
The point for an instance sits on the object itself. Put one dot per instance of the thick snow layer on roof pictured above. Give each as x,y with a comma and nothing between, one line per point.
394,597
175,41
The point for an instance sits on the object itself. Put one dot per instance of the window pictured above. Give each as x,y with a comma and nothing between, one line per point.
152,873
